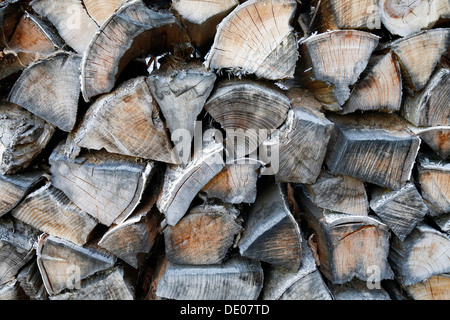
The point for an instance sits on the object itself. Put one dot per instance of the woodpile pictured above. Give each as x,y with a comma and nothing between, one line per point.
232,150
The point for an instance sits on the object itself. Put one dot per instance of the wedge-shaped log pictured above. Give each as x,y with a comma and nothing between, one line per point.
71,20
434,288
110,284
271,233
10,14
419,54
181,91
23,136
257,38
333,61
306,283
102,10
423,254
50,89
443,222
339,193
51,211
105,185
127,121
133,30
438,139
358,290
348,246
235,279
63,264
203,236
406,17
30,281
380,87
376,148
401,210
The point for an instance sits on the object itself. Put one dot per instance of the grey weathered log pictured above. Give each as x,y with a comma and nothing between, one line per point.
358,290
376,148
401,210
30,281
235,279
203,236
271,233
11,291
423,254
443,222
63,264
434,288
105,185
49,210
23,137
50,88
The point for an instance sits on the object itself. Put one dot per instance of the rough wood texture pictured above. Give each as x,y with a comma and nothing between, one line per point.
63,264
105,185
49,210
50,89
11,291
423,254
253,38
358,290
101,10
438,139
434,288
127,121
133,30
376,148
10,14
203,236
271,233
235,279
30,281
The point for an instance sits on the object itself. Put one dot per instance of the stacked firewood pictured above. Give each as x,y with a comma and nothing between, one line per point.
233,150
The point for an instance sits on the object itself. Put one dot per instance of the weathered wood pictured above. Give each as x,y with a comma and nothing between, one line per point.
434,288
406,17
271,233
105,185
380,87
377,148
339,193
203,236
235,279
10,14
443,222
423,254
11,291
23,136
257,38
101,10
50,89
127,121
358,290
51,211
71,20
30,281
348,246
133,30
63,264
333,61
401,210
438,139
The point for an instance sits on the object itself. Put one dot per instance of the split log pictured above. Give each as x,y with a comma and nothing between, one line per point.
438,139
127,121
11,291
201,17
377,148
14,188
257,38
306,283
434,180
358,290
380,87
443,222
401,210
71,20
419,55
10,14
105,185
235,184
434,288
30,281
423,254
63,264
183,183
406,17
333,61
101,10
23,136
110,284
339,193
348,246
203,236
50,89
235,279
17,241
51,211
271,233
132,31
181,90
